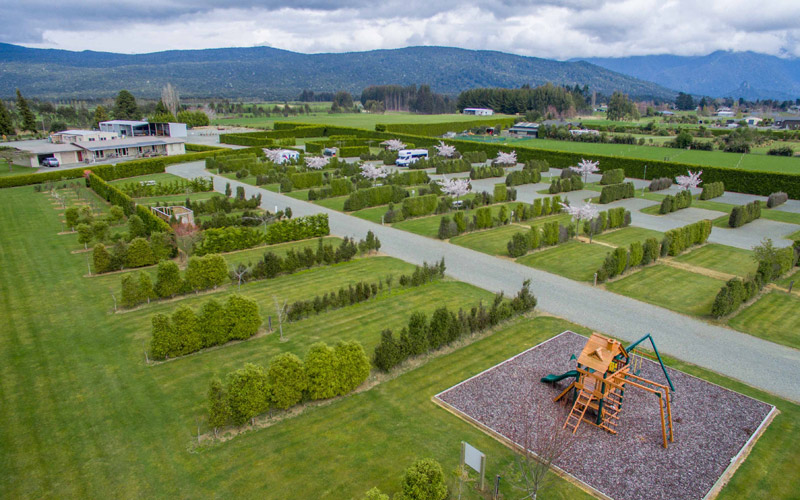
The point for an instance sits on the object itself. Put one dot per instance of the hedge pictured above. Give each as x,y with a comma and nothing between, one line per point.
453,166
712,190
228,239
613,176
659,184
743,214
408,178
616,192
620,260
306,180
776,199
352,151
672,203
420,205
299,228
486,172
116,197
558,185
372,197
526,176
679,239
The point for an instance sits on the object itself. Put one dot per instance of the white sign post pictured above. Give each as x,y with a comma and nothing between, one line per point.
473,457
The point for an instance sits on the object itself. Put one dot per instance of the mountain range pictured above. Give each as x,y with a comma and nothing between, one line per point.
720,74
273,74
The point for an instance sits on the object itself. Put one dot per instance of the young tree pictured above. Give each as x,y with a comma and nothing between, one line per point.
507,159
455,187
372,172
100,115
287,378
240,273
125,107
586,167
214,270
170,99
445,150
119,254
25,113
146,291
163,341
242,316
585,212
116,215
228,190
316,162
136,227
194,275
352,366
71,215
249,393
184,322
101,259
218,410
213,324
689,181
424,480
84,234
130,291
320,365
100,231
162,245
85,215
186,235
620,107
168,279
140,254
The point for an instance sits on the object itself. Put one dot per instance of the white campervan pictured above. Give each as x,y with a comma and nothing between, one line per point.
406,157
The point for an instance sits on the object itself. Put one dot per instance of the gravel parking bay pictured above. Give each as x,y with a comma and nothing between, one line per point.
712,425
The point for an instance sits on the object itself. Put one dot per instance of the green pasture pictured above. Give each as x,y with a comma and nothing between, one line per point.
160,178
625,236
574,259
721,258
357,120
774,317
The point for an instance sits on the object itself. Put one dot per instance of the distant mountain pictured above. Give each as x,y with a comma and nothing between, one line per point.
719,74
268,73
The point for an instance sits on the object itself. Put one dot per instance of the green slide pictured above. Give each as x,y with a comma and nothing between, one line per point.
556,378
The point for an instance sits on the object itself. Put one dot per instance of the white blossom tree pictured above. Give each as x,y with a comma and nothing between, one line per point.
394,144
274,155
455,187
506,158
689,181
373,172
445,150
316,162
585,212
586,167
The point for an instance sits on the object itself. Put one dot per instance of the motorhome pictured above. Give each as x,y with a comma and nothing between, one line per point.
406,157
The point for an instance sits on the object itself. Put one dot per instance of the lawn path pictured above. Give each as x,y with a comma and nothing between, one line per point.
757,362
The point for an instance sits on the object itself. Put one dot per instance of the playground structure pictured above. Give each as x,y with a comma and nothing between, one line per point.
605,370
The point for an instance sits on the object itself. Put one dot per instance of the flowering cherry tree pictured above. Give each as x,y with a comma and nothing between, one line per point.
586,212
506,158
316,162
455,187
394,145
586,167
445,150
689,181
274,155
372,172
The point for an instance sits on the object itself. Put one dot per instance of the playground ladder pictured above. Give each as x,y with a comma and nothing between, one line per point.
578,410
611,410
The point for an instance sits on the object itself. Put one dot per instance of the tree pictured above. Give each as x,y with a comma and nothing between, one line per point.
218,410
508,159
170,99
692,180
214,270
424,480
101,259
71,215
115,214
168,279
25,113
248,393
125,107
6,122
316,162
194,274
375,494
130,291
145,287
242,317
186,235
684,139
454,187
445,150
620,108
352,366
136,227
394,144
119,254
100,230
320,365
140,254
184,322
287,378
586,167
162,114
100,115
684,102
372,172
163,341
213,324
84,234
240,272
163,245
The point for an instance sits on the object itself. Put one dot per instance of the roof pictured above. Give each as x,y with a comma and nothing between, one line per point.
599,352
525,125
479,109
130,142
80,132
134,123
47,148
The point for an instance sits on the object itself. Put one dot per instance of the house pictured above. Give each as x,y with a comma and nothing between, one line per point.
753,121
477,111
790,123
725,112
75,153
135,128
667,113
583,131
69,136
525,129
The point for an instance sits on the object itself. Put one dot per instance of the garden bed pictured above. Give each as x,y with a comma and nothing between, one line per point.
714,428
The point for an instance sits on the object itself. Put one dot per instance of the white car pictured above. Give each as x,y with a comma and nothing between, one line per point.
50,162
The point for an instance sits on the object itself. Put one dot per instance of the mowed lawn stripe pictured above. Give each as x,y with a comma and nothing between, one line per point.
775,317
721,258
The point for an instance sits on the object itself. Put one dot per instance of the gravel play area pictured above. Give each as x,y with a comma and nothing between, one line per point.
712,425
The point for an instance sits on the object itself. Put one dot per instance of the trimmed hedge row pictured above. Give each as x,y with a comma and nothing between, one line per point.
228,239
372,197
486,172
609,219
116,197
408,178
614,192
452,166
337,187
776,199
550,234
679,239
613,176
420,205
437,129
660,184
672,203
525,176
187,331
305,180
558,185
712,190
744,214
299,228
621,259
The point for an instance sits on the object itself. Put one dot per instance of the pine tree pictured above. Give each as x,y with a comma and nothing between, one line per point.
6,123
25,113
125,107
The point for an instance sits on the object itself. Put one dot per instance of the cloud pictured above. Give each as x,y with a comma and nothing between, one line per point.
548,28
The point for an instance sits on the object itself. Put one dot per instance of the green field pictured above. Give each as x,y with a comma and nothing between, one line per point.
575,259
358,120
14,170
626,236
675,289
490,241
429,226
774,317
721,258
163,177
83,416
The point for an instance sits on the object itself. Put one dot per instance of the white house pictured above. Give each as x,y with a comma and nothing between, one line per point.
725,112
753,121
477,111
69,136
136,128
86,152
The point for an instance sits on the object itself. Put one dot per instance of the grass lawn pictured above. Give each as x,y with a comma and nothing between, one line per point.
255,254
774,317
675,289
429,226
5,171
721,258
491,241
372,214
162,177
177,199
298,195
784,282
81,415
336,203
574,259
250,179
357,120
627,235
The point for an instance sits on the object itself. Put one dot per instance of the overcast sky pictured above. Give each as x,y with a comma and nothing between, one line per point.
546,28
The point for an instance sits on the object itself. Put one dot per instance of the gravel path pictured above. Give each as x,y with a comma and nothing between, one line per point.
763,364
711,424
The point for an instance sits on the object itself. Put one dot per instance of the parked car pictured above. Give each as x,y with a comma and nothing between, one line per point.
50,162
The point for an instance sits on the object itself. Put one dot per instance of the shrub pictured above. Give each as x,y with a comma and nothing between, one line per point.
420,205
286,376
101,259
320,366
140,254
500,193
733,294
650,251
660,184
168,279
242,317
515,178
613,176
248,392
424,480
743,214
781,151
486,172
305,180
483,218
712,190
776,199
299,228
679,239
388,352
636,254
372,197
352,366
614,192
447,228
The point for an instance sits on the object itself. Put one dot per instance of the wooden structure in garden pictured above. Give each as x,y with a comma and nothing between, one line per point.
180,213
605,370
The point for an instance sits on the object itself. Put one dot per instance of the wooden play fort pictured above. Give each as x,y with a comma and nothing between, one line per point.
605,370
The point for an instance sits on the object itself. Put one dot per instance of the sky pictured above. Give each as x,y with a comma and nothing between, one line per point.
546,28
